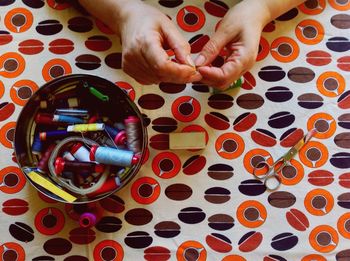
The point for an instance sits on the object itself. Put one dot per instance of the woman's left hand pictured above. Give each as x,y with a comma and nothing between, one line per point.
239,33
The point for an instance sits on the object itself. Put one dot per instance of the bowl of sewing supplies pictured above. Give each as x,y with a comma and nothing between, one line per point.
80,138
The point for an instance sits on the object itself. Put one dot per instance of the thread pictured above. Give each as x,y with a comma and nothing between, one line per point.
68,156
52,134
88,220
73,112
110,156
133,133
86,127
80,152
37,146
119,137
70,186
80,167
47,119
42,164
108,186
67,119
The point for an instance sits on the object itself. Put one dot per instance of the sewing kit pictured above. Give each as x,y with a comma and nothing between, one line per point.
80,138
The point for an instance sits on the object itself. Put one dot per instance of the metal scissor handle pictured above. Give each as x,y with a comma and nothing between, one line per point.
270,174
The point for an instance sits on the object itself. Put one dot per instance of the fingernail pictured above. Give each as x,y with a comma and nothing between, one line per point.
199,60
190,61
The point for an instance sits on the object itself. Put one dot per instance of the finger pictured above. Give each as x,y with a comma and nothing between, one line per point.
165,69
178,44
139,72
223,77
213,47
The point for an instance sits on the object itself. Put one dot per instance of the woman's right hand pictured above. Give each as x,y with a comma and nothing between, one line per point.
144,31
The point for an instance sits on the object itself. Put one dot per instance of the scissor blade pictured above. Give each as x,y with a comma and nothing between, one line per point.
294,150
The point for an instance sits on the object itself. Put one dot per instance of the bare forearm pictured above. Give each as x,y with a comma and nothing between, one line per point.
108,11
273,8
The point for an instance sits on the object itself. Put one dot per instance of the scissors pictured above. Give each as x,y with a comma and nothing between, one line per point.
271,179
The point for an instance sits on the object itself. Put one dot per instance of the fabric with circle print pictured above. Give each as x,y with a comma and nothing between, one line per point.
199,204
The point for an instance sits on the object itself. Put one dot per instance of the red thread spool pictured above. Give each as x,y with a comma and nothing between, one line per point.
77,166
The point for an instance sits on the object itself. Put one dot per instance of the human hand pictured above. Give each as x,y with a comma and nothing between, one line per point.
144,31
238,34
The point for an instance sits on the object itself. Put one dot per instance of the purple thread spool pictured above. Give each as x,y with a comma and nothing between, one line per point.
37,146
52,134
118,136
110,156
62,165
133,130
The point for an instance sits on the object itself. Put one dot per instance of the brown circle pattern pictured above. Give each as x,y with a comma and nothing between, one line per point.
186,208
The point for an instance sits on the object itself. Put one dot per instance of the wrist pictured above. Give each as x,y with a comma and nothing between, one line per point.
110,12
261,13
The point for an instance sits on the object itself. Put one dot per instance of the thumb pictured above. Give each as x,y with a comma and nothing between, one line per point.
212,48
178,44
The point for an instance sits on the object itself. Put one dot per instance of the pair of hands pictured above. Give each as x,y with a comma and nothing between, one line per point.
144,30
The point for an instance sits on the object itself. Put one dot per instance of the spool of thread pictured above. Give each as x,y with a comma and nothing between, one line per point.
111,184
73,112
59,103
119,126
77,166
88,219
52,134
119,137
42,164
47,119
94,118
80,152
68,156
110,156
133,133
67,119
86,127
37,146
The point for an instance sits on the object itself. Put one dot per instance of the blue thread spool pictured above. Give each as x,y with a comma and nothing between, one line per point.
73,112
106,155
52,134
67,119
37,146
119,136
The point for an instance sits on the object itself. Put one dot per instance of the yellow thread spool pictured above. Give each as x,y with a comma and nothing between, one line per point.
86,127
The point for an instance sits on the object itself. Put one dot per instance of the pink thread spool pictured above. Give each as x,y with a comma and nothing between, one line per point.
88,219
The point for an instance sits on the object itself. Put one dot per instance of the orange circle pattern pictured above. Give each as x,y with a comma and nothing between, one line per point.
299,82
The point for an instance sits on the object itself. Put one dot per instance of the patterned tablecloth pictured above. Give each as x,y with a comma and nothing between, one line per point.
199,204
